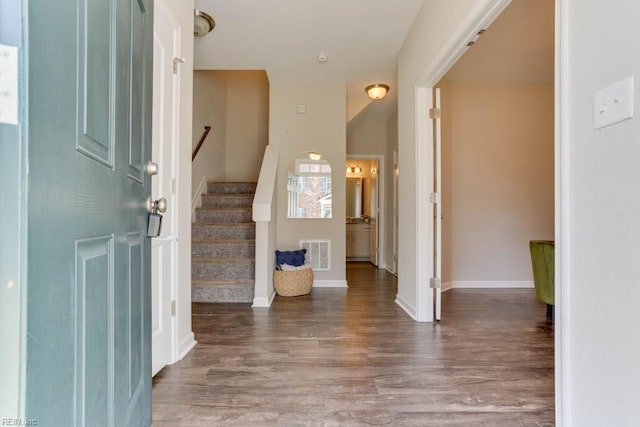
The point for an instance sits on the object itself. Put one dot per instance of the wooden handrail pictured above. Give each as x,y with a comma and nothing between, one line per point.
202,138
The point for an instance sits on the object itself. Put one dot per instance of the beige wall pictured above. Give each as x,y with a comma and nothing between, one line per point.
236,105
323,129
209,109
498,179
247,124
366,135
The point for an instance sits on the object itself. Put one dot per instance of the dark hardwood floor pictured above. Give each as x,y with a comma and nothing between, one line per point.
354,358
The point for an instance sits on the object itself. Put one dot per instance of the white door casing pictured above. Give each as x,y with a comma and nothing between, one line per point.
164,256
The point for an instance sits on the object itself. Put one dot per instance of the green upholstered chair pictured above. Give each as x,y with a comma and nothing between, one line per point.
543,262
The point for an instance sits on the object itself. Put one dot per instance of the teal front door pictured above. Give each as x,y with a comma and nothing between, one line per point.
88,279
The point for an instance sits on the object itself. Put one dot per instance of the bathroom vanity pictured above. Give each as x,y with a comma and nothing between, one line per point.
358,241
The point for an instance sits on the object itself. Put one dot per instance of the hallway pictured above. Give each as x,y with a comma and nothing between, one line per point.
353,357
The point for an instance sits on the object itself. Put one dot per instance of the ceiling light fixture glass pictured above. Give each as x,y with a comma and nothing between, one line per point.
203,23
377,91
313,155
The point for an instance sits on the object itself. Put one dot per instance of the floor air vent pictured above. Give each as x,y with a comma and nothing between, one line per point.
318,253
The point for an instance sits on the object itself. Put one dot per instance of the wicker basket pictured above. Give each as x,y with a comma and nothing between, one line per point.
293,283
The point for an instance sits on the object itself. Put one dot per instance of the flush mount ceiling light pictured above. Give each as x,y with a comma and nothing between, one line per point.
377,91
314,155
203,23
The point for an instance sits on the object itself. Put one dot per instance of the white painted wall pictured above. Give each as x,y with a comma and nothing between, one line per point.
323,129
435,24
236,105
183,12
601,208
498,179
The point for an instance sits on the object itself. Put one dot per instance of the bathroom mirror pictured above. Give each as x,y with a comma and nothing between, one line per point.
309,190
354,197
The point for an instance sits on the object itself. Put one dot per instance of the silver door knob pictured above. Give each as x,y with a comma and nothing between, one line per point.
152,168
160,205
155,206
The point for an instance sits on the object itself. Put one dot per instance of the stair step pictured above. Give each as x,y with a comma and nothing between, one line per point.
223,248
222,268
220,291
218,215
214,187
229,231
235,200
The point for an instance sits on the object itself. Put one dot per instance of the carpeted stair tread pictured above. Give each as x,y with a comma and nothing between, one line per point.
222,282
216,260
223,244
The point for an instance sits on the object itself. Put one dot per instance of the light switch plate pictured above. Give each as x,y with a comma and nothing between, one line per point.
8,84
613,104
301,108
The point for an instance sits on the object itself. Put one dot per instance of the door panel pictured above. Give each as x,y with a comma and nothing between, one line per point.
166,44
88,310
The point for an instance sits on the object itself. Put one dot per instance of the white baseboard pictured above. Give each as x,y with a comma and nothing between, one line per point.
196,200
330,284
390,270
411,311
487,284
263,302
186,345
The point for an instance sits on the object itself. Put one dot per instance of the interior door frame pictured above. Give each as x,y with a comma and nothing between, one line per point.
382,259
452,50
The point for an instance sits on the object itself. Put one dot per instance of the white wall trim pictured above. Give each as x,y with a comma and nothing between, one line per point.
186,345
404,305
562,216
196,200
389,268
263,302
487,284
330,284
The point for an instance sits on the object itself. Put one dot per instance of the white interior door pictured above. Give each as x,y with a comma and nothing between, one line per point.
374,214
164,257
437,202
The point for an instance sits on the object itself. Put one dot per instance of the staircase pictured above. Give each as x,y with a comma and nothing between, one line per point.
223,244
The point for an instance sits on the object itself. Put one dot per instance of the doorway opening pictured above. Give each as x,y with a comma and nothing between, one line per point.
365,208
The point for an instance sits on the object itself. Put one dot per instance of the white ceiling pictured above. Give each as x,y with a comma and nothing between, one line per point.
283,37
517,48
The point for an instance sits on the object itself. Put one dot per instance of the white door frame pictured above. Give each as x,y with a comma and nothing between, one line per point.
382,259
453,49
172,113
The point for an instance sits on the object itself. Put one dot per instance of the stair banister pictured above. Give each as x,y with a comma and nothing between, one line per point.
199,146
264,214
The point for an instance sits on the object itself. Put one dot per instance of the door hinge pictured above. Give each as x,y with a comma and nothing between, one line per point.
177,61
173,186
434,113
434,198
173,307
435,283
